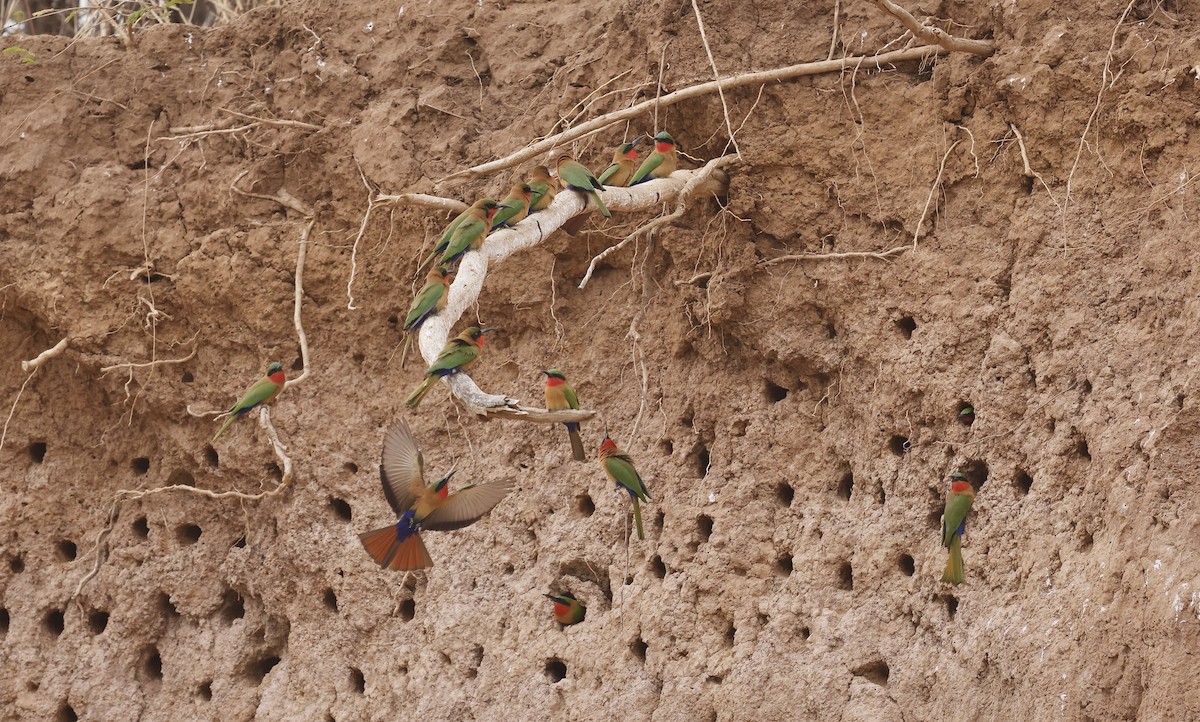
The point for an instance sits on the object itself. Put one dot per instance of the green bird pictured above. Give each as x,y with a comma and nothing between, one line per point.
624,164
560,396
954,524
619,468
544,187
659,164
514,207
471,232
260,392
447,234
567,609
457,355
573,175
428,301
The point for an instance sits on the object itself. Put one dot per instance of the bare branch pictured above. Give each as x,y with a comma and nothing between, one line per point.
830,256
147,364
55,350
716,78
595,125
935,35
450,205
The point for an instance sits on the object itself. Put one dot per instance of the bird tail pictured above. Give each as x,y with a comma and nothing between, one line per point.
414,399
230,418
390,551
637,517
600,204
954,564
577,451
404,351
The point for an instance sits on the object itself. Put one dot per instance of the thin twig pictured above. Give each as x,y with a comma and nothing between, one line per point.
685,195
450,205
716,78
13,409
148,364
837,8
662,69
1029,171
932,192
931,34
595,125
362,228
273,121
829,256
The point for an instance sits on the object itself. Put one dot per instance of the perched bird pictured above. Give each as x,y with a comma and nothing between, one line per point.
619,469
447,233
659,164
428,301
559,397
967,415
567,609
401,471
471,232
514,207
458,354
572,174
954,523
544,187
262,391
624,164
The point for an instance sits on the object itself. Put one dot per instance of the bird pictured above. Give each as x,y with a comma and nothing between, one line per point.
471,232
420,507
447,232
544,187
624,164
954,523
514,207
260,392
659,164
457,355
619,468
967,415
428,301
560,396
574,175
567,609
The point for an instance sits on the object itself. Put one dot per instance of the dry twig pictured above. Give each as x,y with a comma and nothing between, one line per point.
716,78
935,35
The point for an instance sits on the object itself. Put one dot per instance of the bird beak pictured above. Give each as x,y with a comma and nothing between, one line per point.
544,372
551,596
489,329
452,473
638,140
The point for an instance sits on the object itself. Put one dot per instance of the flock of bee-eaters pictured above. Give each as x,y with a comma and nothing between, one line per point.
432,507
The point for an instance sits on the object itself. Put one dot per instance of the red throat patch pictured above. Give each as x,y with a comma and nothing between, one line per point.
278,377
444,492
960,487
607,446
663,147
554,381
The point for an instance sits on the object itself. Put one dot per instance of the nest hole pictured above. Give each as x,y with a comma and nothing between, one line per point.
3,622
1023,481
166,606
152,664
140,527
37,452
658,566
330,600
899,445
805,633
976,471
785,493
906,326
584,505
98,621
211,457
1087,541
845,487
951,602
54,622
1083,451
233,607
639,648
188,534
876,671
730,634
298,364
408,610
181,477
358,680
140,465
204,691
784,565
258,669
704,527
965,413
66,550
556,670
703,462
187,378
341,509
660,519
774,393
17,565
66,713
845,576
350,467
666,447
907,564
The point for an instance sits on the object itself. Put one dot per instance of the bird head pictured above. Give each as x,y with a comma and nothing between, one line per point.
523,190
476,333
540,174
663,142
608,445
274,368
555,374
629,150
440,486
562,158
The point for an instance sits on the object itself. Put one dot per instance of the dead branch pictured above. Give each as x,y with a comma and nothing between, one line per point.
282,123
450,205
528,233
1029,171
878,62
689,188
936,35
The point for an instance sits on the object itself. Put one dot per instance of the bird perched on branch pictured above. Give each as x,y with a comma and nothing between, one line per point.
514,207
659,164
260,392
457,355
574,175
619,468
471,232
954,524
544,187
401,471
560,396
624,164
447,232
428,301
567,609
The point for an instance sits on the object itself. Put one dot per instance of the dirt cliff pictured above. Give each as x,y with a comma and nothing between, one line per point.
795,421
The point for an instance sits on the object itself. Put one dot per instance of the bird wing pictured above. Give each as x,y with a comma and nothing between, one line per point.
652,161
262,390
450,229
467,233
423,303
608,172
455,354
622,472
577,175
957,506
569,395
465,507
401,470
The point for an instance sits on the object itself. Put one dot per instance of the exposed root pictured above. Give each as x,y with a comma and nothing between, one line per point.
882,255
935,35
937,183
716,79
153,363
227,127
689,189
1029,171
878,62
56,350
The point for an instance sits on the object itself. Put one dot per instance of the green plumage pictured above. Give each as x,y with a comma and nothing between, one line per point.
458,354
958,504
575,176
262,391
428,301
444,241
620,469
469,234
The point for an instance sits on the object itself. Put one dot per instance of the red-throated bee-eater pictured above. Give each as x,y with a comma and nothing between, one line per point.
428,301
544,187
260,392
659,164
619,469
624,164
574,175
514,207
457,355
560,396
954,523
567,609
